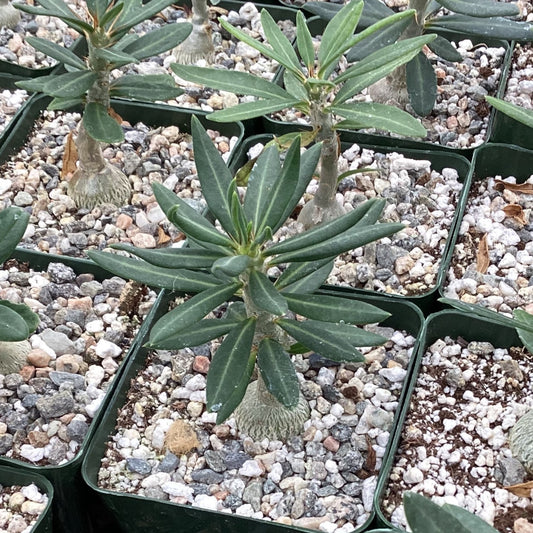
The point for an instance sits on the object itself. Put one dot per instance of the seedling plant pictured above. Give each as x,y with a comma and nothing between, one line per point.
265,324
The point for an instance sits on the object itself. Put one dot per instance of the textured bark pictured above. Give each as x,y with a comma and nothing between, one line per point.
199,44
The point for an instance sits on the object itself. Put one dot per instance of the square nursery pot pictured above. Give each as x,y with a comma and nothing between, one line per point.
412,434
489,161
11,477
139,514
71,497
316,26
424,298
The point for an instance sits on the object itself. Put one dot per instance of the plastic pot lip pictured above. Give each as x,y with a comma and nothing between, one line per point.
427,300
40,259
414,320
517,156
430,332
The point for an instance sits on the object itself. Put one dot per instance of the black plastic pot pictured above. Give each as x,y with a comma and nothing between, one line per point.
439,325
15,477
489,160
71,507
138,515
439,160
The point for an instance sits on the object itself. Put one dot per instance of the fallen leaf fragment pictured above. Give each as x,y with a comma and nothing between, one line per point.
113,114
162,237
70,157
522,490
482,256
524,188
515,211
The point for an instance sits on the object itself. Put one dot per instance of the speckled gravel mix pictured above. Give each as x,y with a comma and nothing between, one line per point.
86,328
520,83
324,478
31,180
454,445
20,507
10,103
507,283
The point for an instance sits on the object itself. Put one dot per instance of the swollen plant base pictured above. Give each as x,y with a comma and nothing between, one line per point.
13,356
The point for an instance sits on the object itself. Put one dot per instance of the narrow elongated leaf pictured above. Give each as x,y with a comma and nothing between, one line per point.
131,8
64,103
294,86
70,84
100,125
238,392
236,311
337,33
301,271
229,364
481,8
97,7
278,373
230,80
62,12
32,319
332,309
265,296
110,15
173,257
149,87
497,28
443,48
279,42
12,326
348,240
139,13
525,116
320,338
158,41
197,334
524,318
167,198
198,227
57,52
421,84
115,57
312,282
231,266
191,311
253,109
304,41
326,230
373,11
35,84
214,176
379,116
13,223
165,278
469,520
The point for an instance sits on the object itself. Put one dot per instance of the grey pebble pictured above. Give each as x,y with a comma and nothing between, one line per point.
56,405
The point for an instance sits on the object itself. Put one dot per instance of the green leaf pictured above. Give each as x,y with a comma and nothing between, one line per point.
190,312
97,7
443,48
379,116
348,240
64,103
280,43
135,12
294,86
197,334
165,278
481,8
260,184
337,34
297,273
335,309
214,176
158,41
116,58
100,125
13,223
12,326
149,87
425,516
229,364
264,295
524,318
322,338
57,52
239,390
110,15
231,266
253,109
498,28
197,226
236,311
373,11
36,84
421,84
70,84
326,230
167,198
60,10
525,116
230,80
304,41
32,319
278,373
173,257
469,520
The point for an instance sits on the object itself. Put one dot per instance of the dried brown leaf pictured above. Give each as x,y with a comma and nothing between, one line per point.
515,211
162,237
70,157
524,188
522,490
113,114
482,256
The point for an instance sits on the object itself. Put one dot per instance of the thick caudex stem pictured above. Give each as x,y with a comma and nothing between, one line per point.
9,16
199,44
13,356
